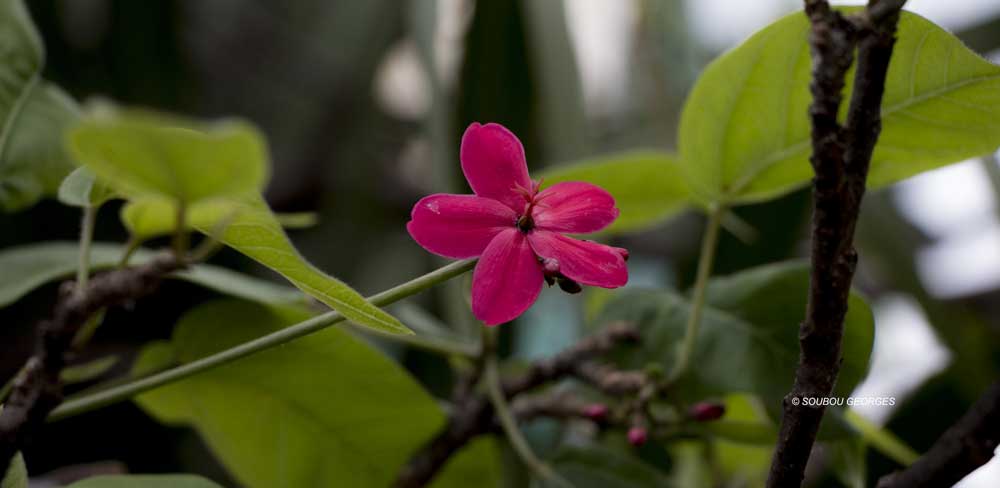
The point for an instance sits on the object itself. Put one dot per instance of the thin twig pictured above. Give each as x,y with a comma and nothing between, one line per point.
38,390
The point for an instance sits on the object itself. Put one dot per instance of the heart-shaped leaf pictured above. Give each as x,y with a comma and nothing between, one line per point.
744,133
145,154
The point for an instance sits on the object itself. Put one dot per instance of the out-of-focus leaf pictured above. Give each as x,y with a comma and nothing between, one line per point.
744,457
88,371
847,459
324,410
475,465
648,186
82,189
882,439
146,481
143,154
252,229
17,474
33,160
297,220
599,467
30,266
744,133
748,339
153,357
33,114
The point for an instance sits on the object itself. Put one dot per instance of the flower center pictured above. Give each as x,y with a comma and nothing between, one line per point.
526,223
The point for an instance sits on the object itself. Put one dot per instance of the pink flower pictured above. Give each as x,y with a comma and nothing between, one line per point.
516,230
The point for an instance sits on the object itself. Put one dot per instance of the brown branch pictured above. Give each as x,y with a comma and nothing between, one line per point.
840,159
472,414
967,445
37,389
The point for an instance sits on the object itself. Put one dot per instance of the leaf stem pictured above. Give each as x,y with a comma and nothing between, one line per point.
86,403
86,238
506,417
705,261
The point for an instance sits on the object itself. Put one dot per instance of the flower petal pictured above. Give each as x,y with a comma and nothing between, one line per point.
458,226
493,163
585,262
507,279
574,206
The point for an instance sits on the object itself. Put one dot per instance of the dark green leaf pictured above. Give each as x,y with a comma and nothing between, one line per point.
477,464
748,340
598,467
324,410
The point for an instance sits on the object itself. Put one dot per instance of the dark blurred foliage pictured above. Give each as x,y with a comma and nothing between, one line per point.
304,71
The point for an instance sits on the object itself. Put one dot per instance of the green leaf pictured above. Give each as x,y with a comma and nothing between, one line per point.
34,265
17,474
744,132
33,115
146,481
33,161
599,467
88,371
648,186
477,464
82,189
252,229
748,339
145,154
324,410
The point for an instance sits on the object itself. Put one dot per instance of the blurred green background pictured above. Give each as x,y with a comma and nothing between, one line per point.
364,102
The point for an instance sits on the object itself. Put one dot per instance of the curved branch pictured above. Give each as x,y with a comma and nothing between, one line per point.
967,445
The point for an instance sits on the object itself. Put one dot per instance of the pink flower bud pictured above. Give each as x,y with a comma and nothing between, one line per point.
622,251
637,436
598,412
706,411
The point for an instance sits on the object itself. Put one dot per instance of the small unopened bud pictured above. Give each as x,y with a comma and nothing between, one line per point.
706,411
598,412
569,286
637,436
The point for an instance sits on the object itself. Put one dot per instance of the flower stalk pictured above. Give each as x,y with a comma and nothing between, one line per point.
705,260
76,406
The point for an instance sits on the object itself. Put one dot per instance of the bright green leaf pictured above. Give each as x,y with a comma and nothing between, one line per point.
144,154
88,371
325,410
252,229
598,467
82,189
748,340
34,265
648,186
146,481
744,133
17,474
